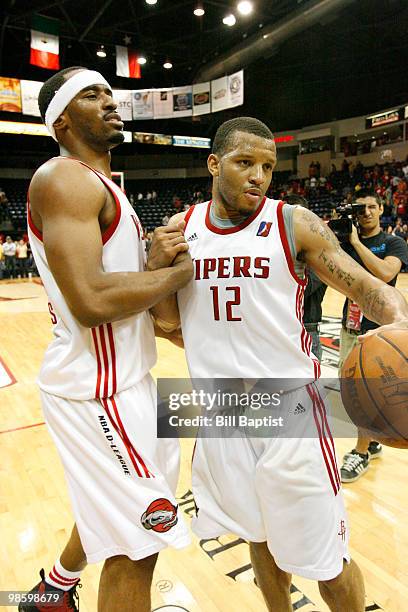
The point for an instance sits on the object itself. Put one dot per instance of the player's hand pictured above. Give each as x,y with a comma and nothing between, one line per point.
167,243
399,325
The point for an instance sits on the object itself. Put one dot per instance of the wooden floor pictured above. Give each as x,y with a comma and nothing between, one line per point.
35,516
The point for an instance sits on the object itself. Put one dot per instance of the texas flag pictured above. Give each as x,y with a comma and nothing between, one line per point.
126,63
45,43
264,228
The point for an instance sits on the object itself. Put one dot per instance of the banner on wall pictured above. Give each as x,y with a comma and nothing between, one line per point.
29,97
163,103
123,98
202,98
142,104
183,101
236,89
198,99
10,95
219,94
148,138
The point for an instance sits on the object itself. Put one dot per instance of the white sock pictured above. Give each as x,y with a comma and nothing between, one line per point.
61,578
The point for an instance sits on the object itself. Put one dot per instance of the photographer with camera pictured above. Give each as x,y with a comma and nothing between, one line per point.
383,255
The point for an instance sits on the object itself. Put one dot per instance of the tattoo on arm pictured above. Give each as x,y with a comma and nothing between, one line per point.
335,270
374,304
317,227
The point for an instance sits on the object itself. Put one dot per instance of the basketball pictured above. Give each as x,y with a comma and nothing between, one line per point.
374,387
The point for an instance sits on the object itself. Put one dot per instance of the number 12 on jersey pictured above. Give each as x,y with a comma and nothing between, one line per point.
236,294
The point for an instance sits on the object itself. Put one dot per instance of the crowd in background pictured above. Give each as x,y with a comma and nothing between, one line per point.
16,260
340,186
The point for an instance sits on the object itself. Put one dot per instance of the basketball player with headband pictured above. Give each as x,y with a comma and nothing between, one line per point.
98,397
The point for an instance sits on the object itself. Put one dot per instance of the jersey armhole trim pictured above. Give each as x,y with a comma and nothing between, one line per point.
286,248
30,222
188,215
108,233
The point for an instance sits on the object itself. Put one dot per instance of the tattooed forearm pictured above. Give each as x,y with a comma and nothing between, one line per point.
335,269
383,305
374,304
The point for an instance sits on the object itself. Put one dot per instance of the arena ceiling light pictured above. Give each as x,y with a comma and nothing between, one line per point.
101,51
141,60
199,10
151,1
245,7
229,20
167,65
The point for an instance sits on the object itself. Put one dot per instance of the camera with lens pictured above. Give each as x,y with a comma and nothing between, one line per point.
347,217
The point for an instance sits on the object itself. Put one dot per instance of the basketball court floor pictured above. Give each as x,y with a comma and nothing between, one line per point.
209,576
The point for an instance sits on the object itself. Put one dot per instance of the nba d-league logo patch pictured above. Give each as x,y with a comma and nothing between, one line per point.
264,228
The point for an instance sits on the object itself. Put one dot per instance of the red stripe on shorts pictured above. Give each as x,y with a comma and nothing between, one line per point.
322,440
138,457
113,355
116,428
99,366
105,360
328,438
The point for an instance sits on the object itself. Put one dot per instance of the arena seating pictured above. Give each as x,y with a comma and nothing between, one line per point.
151,211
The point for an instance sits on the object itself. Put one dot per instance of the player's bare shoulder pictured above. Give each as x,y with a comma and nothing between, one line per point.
65,184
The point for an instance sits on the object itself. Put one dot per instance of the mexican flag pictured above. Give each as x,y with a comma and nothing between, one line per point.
126,63
45,43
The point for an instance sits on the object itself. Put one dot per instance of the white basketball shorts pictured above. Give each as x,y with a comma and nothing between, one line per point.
121,478
285,491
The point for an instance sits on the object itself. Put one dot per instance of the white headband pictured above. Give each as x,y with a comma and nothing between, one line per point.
67,92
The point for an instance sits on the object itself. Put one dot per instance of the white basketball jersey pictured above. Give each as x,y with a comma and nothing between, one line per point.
242,313
83,363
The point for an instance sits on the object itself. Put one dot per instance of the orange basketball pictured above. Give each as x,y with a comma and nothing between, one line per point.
374,387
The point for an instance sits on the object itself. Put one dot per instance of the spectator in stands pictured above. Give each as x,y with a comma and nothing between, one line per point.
149,195
22,258
402,231
177,203
3,205
139,196
132,199
165,219
9,250
154,195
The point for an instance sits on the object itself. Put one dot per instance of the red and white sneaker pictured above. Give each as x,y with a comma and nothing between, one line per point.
46,598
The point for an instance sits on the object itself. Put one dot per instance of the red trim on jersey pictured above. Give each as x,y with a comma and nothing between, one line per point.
113,356
108,233
30,222
331,465
188,215
305,338
286,247
236,228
